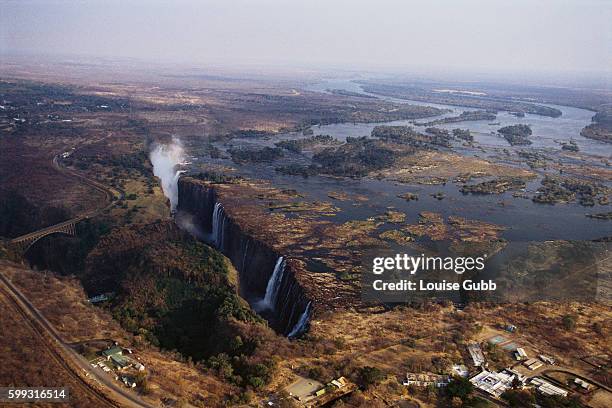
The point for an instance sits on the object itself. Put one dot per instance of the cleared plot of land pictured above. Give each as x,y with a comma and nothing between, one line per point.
303,388
600,399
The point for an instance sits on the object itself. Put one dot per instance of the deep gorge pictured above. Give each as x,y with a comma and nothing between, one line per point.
289,308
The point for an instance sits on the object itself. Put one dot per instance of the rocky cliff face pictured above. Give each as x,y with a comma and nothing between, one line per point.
254,259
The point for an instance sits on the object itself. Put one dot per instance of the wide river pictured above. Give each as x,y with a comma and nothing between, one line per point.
547,132
524,220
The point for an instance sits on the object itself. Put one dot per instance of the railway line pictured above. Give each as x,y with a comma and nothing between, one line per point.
24,242
63,352
18,306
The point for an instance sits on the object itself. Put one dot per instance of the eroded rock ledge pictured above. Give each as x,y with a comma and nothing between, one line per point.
252,254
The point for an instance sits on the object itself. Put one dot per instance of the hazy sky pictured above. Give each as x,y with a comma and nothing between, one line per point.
525,35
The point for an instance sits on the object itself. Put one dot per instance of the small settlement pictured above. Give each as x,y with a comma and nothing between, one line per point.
519,367
526,372
120,363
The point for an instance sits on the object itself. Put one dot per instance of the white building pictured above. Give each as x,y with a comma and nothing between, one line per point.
547,388
581,383
493,383
340,382
533,364
520,354
476,353
547,359
461,371
425,380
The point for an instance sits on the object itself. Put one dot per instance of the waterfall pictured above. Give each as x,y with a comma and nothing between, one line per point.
276,294
215,222
165,160
274,284
244,255
175,179
221,242
300,326
218,224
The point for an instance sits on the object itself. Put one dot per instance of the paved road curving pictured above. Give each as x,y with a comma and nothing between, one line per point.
576,374
108,192
60,349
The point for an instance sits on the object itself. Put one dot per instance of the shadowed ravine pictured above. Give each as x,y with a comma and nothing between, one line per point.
267,280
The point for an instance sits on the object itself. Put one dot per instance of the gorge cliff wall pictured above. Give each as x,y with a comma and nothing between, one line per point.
254,259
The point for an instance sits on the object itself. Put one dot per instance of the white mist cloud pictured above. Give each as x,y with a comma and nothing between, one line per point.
188,223
165,159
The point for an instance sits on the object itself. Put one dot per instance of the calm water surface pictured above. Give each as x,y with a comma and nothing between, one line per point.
524,220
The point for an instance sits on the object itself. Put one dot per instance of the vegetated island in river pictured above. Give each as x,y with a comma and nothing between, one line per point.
496,186
463,134
516,134
601,128
297,145
463,117
344,92
485,102
566,190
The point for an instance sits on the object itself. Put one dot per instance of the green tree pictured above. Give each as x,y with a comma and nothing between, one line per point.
369,376
569,322
519,398
142,382
459,387
516,383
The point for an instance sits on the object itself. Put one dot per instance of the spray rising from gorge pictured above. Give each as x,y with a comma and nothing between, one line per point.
281,300
165,159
